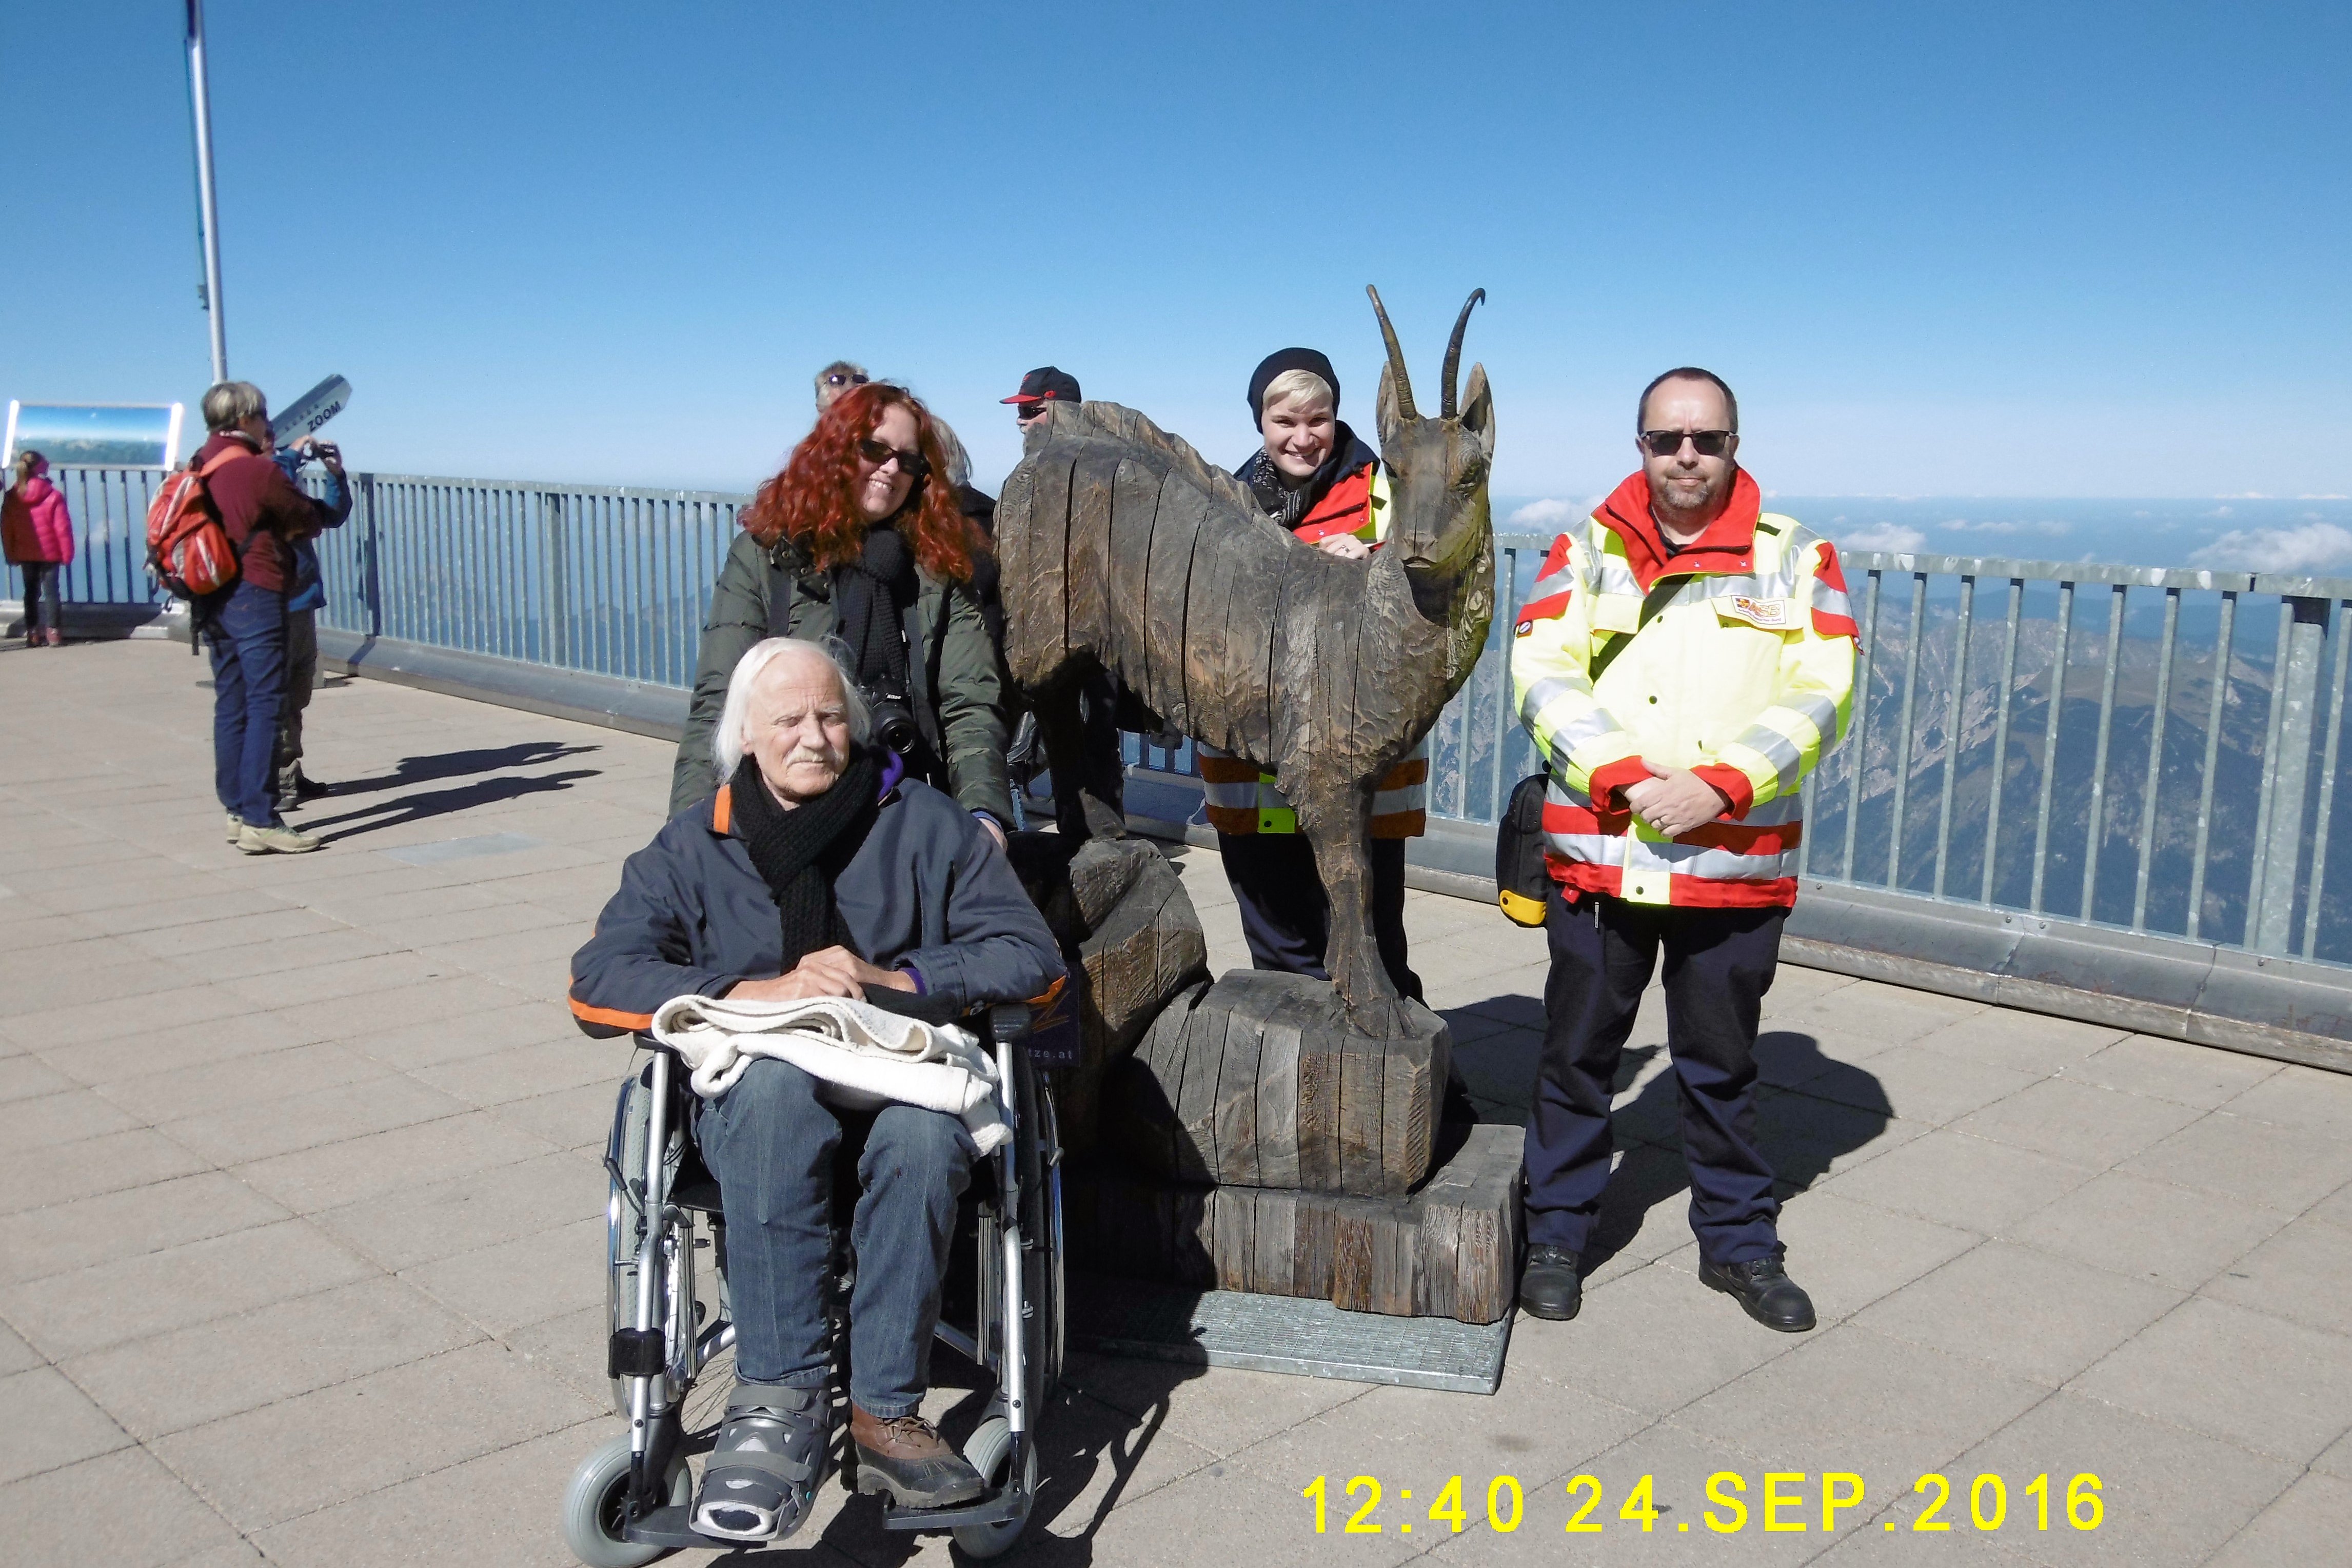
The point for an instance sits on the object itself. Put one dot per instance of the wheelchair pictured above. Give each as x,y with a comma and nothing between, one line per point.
630,1500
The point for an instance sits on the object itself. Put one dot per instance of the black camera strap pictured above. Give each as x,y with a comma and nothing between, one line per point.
782,581
1661,594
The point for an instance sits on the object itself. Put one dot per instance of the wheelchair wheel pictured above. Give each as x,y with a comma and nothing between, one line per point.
592,1507
989,1453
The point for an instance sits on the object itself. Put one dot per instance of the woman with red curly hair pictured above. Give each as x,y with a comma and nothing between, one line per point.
861,539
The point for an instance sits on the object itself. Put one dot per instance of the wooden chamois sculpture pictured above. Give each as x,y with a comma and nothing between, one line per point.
1123,550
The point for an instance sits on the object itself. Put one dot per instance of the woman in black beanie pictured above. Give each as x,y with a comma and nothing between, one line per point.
1318,478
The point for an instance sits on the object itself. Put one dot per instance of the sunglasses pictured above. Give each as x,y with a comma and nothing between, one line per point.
1666,442
841,378
913,465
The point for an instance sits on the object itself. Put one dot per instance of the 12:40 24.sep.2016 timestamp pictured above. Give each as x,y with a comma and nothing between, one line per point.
1778,1500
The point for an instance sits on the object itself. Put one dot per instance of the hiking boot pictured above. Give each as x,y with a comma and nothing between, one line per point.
1550,1287
235,827
905,1459
308,789
763,1473
1763,1285
276,839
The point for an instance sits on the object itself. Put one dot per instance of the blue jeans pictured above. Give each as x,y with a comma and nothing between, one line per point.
249,648
1718,965
771,1143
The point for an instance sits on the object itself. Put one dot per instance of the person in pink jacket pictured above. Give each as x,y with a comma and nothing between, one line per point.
38,535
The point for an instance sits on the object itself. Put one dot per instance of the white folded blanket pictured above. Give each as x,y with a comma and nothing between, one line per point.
865,1057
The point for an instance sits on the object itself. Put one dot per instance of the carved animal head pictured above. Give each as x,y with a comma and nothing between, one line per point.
1437,467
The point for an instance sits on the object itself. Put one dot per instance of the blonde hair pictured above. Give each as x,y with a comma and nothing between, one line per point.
1304,384
727,739
22,469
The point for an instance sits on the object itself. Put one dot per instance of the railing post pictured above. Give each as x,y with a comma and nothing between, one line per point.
371,559
2294,685
556,610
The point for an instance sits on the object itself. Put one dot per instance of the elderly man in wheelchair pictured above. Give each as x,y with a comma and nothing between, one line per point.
818,870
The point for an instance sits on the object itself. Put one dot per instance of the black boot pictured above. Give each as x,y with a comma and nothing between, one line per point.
1763,1287
1550,1287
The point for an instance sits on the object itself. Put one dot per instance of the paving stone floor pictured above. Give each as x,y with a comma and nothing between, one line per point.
300,1223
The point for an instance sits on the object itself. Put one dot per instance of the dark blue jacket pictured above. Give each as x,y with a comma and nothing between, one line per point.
928,891
305,587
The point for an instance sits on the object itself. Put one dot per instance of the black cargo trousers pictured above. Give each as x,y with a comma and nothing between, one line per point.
1718,965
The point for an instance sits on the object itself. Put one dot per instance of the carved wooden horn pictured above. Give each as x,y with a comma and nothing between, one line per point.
1454,350
1396,358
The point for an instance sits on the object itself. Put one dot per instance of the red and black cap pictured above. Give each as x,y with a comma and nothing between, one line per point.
1046,384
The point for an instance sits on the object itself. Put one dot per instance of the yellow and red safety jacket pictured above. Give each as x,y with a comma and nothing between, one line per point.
1745,678
1238,796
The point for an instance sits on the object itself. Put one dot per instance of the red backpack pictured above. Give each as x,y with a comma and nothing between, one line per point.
188,549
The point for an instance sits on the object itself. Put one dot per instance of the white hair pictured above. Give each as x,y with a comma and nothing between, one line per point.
726,740
959,461
1304,384
228,404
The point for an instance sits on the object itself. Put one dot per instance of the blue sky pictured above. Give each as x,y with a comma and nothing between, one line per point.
2044,250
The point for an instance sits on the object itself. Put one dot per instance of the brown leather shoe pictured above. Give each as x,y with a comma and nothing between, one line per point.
906,1459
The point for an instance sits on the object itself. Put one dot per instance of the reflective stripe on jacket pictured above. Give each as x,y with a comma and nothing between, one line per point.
1744,676
1239,799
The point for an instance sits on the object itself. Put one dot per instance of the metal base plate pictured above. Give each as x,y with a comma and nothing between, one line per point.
1283,1334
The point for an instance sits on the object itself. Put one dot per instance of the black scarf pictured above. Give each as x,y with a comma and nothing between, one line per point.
870,598
1286,502
799,852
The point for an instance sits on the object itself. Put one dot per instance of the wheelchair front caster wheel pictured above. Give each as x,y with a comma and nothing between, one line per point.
592,1507
990,1452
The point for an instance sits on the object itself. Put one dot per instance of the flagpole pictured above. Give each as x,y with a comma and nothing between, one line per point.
208,212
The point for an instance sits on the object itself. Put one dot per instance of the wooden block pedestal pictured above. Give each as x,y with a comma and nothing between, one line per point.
1260,1081
1449,1249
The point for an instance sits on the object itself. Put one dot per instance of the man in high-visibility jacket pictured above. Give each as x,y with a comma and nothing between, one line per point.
1683,661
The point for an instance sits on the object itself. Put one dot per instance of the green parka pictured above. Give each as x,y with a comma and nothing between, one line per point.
957,686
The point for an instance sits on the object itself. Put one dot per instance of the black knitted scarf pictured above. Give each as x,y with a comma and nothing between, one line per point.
870,596
799,851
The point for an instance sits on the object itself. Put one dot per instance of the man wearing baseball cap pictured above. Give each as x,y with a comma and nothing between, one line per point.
1105,767
1046,384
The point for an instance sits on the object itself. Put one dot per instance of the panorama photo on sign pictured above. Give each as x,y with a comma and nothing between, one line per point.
95,435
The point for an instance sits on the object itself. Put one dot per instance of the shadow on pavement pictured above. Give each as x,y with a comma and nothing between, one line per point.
410,809
1811,1110
458,764
1801,1135
1085,1444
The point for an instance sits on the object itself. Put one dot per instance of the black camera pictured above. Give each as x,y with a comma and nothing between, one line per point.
894,721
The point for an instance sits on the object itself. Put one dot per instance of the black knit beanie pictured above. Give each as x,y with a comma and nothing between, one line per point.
1283,360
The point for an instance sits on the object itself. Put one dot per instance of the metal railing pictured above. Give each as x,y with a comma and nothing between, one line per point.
2152,750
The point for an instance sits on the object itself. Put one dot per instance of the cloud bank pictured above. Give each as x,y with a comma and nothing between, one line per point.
1883,535
2315,547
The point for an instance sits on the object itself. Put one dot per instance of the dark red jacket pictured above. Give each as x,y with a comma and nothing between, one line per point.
260,507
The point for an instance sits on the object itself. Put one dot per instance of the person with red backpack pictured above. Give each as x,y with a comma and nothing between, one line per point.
263,515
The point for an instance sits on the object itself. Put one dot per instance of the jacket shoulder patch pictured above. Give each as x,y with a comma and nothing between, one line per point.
1768,614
